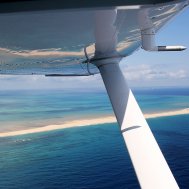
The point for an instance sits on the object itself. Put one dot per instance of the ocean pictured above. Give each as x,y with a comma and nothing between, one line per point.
91,157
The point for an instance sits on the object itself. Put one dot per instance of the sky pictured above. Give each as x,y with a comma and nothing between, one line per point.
141,69
163,68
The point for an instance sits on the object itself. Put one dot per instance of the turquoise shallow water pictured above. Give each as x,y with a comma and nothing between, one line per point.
84,157
39,108
25,109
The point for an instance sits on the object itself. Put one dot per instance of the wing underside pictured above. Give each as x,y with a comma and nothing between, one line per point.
53,41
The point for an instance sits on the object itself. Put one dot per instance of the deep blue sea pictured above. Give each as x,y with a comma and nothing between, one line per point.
92,157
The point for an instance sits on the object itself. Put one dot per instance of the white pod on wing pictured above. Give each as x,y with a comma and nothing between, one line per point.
148,34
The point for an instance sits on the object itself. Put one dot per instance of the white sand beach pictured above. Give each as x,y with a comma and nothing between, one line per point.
69,124
87,122
170,113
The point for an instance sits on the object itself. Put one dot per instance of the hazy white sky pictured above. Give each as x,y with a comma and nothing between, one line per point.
142,69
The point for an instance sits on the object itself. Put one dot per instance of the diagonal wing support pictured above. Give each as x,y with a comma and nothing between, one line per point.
148,161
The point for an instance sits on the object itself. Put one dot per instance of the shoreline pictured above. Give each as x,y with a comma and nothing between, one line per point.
87,122
167,114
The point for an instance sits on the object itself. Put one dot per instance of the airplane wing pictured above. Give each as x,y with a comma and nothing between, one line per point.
55,39
50,37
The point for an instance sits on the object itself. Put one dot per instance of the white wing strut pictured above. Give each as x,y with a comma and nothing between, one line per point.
149,163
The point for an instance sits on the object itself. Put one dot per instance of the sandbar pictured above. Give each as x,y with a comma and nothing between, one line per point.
87,122
166,114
